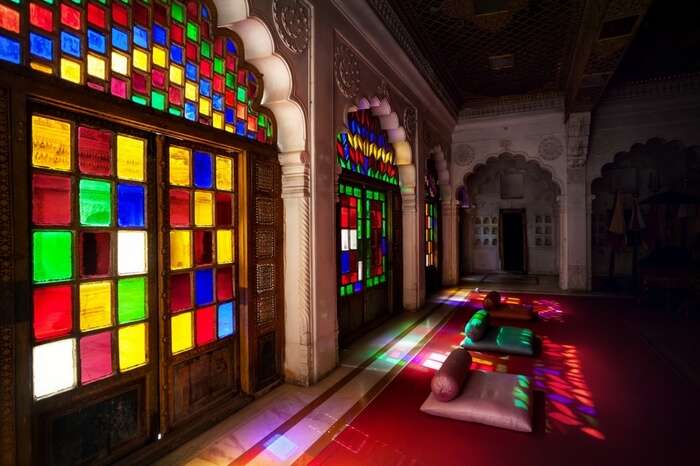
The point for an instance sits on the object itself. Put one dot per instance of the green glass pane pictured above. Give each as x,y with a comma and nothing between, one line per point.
218,65
261,121
177,12
205,49
192,31
139,100
158,100
95,203
52,255
241,94
230,80
175,111
131,299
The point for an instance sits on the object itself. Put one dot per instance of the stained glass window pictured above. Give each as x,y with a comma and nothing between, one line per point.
201,291
363,238
432,198
89,249
164,54
365,148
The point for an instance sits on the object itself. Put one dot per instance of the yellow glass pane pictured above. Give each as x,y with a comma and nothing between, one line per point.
141,61
224,246
204,106
40,67
228,128
190,91
224,173
71,71
95,305
179,166
120,63
180,249
218,121
160,57
181,332
96,67
51,143
176,74
131,156
132,347
203,208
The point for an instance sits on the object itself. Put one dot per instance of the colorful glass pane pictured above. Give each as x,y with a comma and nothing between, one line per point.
51,200
54,367
95,357
132,346
53,311
131,300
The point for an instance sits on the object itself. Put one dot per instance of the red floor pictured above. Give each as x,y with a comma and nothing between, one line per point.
604,397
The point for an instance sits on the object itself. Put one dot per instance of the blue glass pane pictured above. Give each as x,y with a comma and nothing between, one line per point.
120,39
190,111
226,320
176,54
357,287
205,87
345,262
203,170
140,37
240,128
231,46
131,205
203,287
96,41
191,71
10,50
41,46
229,115
218,102
70,44
160,36
205,12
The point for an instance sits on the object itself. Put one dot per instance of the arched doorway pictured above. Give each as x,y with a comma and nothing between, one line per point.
511,223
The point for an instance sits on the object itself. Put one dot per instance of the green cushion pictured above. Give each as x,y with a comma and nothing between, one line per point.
511,340
478,325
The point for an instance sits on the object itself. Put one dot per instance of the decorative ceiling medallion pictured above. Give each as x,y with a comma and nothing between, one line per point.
409,122
347,71
551,148
291,18
464,155
482,14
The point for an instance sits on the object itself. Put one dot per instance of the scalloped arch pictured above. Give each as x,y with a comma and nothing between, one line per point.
259,48
494,158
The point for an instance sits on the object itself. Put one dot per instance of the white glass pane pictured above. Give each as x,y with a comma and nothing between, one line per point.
353,239
54,367
344,239
359,270
131,251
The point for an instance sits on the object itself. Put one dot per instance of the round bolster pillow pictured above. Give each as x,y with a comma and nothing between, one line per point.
448,381
477,325
492,300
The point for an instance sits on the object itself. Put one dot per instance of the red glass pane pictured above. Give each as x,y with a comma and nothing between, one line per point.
95,151
41,17
219,46
224,210
205,325
158,78
261,135
51,200
204,28
140,14
242,74
203,247
192,10
205,68
118,88
353,217
230,98
160,13
175,95
95,357
344,217
96,15
96,86
139,83
176,33
192,51
180,292
179,208
53,307
218,83
9,19
95,255
70,17
231,63
224,284
120,15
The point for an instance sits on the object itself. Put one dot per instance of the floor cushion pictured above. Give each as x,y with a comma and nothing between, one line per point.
513,312
511,340
490,398
448,381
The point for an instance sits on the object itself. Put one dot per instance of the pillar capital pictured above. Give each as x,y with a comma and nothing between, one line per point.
296,177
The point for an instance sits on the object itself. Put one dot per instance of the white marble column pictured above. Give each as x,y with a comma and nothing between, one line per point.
411,222
299,319
576,232
450,248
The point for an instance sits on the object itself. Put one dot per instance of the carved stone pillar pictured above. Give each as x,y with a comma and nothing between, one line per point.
299,324
450,247
411,247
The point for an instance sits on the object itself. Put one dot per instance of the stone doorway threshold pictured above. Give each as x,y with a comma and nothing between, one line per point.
514,282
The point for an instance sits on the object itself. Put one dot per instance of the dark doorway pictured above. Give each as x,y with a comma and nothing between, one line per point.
513,240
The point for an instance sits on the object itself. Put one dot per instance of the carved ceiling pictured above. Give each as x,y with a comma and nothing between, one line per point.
476,52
